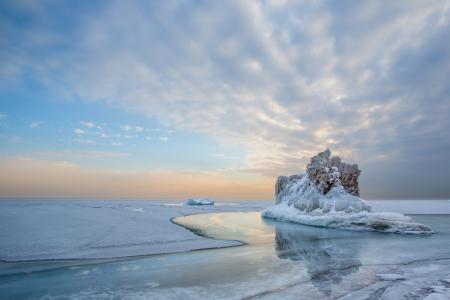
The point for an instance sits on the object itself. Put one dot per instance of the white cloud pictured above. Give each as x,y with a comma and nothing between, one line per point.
103,135
131,128
35,124
163,138
89,124
79,131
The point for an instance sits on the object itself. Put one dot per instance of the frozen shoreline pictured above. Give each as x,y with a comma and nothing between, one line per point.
81,229
94,229
353,264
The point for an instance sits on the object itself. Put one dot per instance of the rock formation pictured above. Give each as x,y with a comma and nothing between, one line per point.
327,195
326,176
327,172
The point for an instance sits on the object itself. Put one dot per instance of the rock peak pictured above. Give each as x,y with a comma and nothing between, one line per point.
327,171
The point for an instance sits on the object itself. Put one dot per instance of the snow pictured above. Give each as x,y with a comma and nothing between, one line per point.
200,201
367,221
50,229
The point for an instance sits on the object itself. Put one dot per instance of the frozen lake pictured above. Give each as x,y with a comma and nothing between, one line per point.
278,260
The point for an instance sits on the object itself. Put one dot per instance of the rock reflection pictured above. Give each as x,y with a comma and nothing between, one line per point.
328,254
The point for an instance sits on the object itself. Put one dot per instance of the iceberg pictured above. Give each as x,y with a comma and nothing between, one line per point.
327,195
200,201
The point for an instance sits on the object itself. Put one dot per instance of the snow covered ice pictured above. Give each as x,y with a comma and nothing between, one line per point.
83,229
327,195
200,201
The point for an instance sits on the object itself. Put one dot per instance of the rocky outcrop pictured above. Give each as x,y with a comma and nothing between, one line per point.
328,171
327,195
326,178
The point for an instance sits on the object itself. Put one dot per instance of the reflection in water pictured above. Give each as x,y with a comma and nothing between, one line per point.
327,258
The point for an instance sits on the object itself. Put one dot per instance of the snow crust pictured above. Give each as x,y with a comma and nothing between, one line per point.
318,198
200,201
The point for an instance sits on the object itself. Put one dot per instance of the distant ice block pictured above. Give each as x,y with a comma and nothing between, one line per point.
327,195
200,201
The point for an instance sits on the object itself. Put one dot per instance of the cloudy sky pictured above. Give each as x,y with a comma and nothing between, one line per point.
171,99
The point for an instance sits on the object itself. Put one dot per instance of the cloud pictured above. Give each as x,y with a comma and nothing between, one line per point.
131,128
89,124
283,81
127,136
36,124
163,138
79,131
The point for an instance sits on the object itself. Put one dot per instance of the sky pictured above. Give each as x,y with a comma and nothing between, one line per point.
176,99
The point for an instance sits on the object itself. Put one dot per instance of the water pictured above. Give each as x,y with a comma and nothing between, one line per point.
277,260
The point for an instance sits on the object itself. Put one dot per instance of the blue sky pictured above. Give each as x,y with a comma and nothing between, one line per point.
227,93
98,135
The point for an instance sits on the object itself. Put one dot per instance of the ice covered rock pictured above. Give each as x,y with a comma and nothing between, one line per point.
327,195
327,171
200,201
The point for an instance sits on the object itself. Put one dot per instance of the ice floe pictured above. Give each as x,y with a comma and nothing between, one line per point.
200,201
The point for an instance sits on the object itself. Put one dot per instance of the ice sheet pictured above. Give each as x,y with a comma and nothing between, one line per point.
279,261
48,229
32,230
